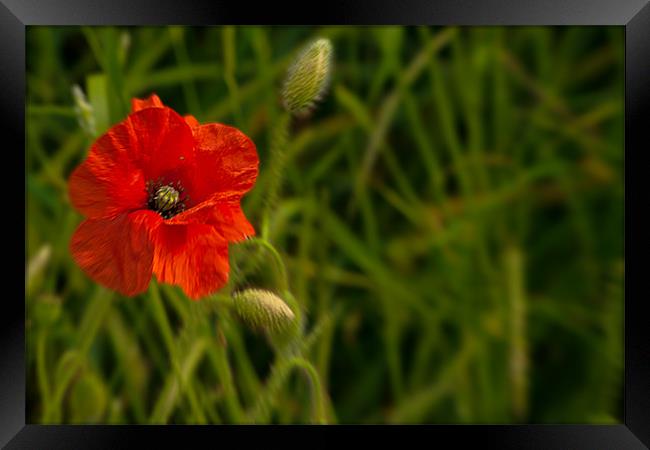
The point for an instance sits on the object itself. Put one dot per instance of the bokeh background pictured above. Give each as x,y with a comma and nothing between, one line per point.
451,219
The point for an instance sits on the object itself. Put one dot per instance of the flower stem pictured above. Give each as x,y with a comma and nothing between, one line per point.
219,359
264,243
278,378
41,371
174,385
162,320
279,142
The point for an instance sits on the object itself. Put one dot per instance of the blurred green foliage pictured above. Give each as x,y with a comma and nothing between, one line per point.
451,217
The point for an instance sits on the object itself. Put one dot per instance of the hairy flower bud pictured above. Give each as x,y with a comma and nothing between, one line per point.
308,77
263,309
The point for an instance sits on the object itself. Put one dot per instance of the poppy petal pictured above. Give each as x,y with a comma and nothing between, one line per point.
117,253
152,102
194,257
108,182
231,222
191,120
162,144
226,161
151,144
224,213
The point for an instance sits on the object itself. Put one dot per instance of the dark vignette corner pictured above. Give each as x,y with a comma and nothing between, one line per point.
12,319
637,110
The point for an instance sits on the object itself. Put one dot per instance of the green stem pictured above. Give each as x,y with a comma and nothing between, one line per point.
219,359
246,376
174,385
41,371
317,389
277,161
262,242
160,315
277,381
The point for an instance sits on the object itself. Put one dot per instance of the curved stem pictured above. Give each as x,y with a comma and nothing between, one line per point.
277,381
317,389
263,242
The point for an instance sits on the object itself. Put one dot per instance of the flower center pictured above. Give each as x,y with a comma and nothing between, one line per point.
166,199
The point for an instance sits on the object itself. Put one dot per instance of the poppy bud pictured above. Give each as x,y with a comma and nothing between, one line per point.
308,77
263,309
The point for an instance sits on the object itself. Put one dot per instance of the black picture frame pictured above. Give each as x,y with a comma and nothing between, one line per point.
634,15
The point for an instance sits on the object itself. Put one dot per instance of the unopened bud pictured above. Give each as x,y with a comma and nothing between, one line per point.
263,309
308,77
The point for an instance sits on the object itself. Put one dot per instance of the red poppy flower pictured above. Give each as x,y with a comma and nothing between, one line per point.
161,194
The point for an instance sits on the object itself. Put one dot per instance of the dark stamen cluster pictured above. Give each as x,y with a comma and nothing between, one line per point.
167,199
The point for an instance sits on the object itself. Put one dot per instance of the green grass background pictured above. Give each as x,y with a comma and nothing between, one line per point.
450,219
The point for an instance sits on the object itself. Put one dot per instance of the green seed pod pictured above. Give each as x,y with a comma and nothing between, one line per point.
308,77
263,309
